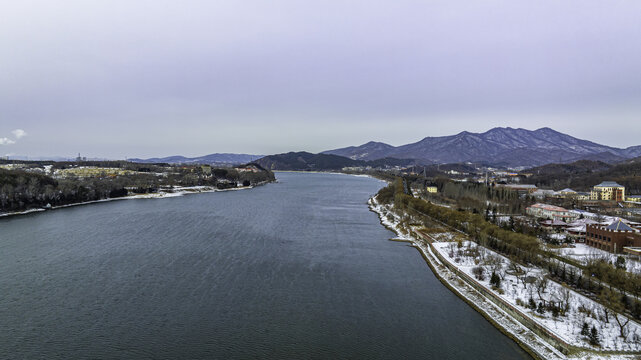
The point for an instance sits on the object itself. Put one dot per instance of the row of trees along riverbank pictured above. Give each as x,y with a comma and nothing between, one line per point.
604,282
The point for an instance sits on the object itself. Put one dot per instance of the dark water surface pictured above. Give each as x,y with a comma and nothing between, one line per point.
300,269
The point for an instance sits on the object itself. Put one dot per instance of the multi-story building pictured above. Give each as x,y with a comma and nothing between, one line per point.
580,195
613,237
608,190
521,189
576,229
633,198
550,212
567,192
542,193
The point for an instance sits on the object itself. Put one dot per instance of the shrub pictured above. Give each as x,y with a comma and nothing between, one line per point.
479,273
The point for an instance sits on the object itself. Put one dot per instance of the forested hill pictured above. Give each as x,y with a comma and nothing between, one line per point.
305,161
575,168
582,175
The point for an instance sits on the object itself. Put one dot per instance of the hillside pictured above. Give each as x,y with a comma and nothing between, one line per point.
582,175
305,161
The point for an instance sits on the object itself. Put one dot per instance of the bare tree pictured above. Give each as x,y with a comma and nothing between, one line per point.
515,269
541,285
564,298
494,264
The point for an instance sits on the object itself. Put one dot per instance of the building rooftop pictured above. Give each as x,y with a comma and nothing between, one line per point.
619,225
548,207
554,223
544,191
521,186
582,222
576,229
567,190
608,184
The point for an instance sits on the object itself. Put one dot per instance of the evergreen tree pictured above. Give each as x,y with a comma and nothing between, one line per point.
593,338
585,330
495,280
532,304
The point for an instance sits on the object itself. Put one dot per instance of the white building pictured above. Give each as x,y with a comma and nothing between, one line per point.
550,212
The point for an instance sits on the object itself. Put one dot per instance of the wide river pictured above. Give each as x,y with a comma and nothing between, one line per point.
298,269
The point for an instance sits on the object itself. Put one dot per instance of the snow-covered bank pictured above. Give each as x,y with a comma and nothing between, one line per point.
477,297
165,193
516,290
21,212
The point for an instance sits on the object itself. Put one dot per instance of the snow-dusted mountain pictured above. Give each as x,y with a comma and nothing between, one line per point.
506,146
371,151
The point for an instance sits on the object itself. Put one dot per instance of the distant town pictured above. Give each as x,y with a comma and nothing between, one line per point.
604,216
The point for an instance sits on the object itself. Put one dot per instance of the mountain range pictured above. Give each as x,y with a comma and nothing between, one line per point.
212,159
501,146
498,146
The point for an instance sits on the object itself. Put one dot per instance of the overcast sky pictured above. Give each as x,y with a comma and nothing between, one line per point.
156,78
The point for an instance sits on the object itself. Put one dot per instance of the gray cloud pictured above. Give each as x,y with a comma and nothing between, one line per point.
146,78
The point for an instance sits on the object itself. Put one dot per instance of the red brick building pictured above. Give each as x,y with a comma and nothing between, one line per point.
613,237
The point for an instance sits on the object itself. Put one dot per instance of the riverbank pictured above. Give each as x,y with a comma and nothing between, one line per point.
165,193
537,343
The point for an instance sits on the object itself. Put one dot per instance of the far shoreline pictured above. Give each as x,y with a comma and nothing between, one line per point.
180,191
326,172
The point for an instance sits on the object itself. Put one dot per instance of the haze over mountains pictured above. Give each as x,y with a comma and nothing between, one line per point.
498,146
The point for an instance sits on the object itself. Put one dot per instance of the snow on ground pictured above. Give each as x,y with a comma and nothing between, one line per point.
568,327
444,236
513,290
584,253
390,219
559,237
523,334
